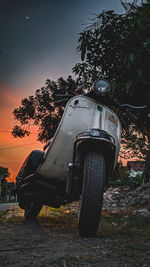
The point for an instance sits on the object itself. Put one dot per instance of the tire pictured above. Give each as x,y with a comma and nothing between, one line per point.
32,207
91,201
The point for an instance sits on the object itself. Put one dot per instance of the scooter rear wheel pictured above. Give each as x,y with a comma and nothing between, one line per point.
32,209
92,193
30,166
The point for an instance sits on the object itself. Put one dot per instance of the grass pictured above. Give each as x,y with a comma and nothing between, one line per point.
125,221
123,235
2,214
2,202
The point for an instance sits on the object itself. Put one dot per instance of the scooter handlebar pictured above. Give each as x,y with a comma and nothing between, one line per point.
126,110
64,95
61,101
134,107
129,106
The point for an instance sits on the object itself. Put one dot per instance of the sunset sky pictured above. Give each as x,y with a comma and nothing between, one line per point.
38,41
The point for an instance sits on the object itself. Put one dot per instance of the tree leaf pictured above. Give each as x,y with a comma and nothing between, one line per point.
131,56
146,43
128,85
139,73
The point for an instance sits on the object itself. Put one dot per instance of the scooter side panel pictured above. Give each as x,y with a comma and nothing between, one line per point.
111,124
80,114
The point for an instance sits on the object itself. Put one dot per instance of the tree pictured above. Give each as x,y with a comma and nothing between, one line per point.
42,109
4,173
117,47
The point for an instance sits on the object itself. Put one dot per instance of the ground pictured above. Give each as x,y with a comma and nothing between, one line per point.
123,239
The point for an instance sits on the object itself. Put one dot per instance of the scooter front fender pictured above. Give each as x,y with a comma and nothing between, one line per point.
104,143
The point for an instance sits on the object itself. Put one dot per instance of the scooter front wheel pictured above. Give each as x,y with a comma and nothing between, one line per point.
90,205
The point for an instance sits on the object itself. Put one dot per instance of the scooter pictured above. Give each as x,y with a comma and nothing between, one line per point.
77,162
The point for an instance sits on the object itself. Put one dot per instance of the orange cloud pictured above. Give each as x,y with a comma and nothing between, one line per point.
8,101
12,150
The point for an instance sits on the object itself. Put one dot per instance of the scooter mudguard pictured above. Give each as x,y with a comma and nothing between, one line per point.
81,114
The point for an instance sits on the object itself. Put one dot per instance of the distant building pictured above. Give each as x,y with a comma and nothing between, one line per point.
11,193
135,167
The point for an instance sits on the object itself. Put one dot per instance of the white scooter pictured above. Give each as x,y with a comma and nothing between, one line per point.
78,161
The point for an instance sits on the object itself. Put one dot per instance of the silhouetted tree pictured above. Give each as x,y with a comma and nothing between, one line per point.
42,110
4,173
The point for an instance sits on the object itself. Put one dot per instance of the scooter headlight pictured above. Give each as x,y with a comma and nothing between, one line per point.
101,87
95,133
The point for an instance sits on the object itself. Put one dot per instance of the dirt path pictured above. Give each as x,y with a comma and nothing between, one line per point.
123,239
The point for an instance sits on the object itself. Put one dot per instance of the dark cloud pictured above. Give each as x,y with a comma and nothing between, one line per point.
45,42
